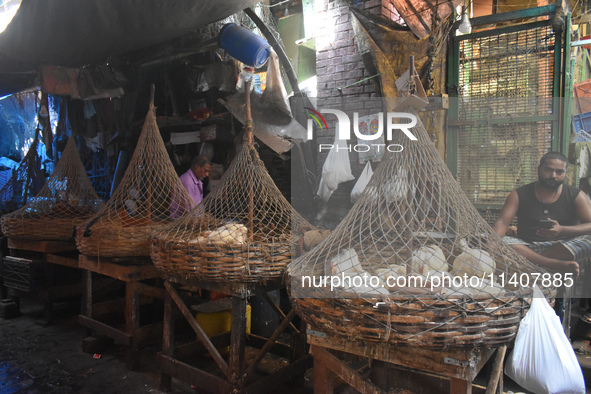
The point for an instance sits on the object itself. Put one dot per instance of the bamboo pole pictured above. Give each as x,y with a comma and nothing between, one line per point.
149,199
249,127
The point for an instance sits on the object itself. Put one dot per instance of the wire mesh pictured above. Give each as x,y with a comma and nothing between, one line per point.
423,267
66,200
504,76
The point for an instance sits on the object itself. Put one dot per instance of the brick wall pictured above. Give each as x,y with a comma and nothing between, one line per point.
338,65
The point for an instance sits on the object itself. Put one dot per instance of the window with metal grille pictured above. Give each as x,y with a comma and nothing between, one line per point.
506,117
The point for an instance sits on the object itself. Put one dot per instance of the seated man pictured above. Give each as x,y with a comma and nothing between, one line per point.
192,180
554,219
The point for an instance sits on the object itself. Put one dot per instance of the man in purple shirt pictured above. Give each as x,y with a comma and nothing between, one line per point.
192,181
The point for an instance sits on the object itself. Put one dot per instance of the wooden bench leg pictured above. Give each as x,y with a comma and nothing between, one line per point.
132,323
460,386
323,379
167,340
497,371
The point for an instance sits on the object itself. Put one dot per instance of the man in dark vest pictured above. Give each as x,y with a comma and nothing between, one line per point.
553,219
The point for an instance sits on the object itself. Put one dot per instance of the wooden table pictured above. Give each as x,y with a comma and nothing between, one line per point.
237,377
44,247
460,366
47,253
133,273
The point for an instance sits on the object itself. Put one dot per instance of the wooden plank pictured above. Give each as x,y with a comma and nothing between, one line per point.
237,338
507,16
66,261
114,305
132,309
205,381
270,342
275,381
147,334
167,340
198,330
459,386
422,359
497,370
187,350
87,295
279,349
144,289
323,379
234,289
41,246
63,291
126,273
379,373
102,328
421,382
343,371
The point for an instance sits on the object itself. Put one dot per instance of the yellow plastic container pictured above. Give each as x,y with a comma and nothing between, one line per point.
216,323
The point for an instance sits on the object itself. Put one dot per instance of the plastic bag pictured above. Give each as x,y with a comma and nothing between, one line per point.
543,360
336,169
361,183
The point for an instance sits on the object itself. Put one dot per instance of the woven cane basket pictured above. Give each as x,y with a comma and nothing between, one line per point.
116,240
425,322
142,203
412,229
66,200
43,227
243,231
218,263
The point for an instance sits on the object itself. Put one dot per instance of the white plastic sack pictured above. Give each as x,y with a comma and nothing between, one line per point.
361,183
336,168
543,360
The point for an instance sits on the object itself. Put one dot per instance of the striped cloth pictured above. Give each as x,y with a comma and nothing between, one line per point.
580,246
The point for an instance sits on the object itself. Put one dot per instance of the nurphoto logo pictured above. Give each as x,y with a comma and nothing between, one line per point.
374,133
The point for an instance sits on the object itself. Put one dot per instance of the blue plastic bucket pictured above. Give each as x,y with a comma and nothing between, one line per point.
244,45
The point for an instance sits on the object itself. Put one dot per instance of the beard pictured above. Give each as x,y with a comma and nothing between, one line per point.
550,184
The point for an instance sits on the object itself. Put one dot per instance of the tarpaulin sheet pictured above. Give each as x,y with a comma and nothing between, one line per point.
17,123
74,33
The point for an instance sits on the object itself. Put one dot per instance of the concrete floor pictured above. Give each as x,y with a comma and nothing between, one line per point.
38,359
49,359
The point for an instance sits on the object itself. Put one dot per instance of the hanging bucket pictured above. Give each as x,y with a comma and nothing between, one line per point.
244,45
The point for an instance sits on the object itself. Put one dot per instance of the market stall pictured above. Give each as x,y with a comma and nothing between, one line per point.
413,264
66,200
238,242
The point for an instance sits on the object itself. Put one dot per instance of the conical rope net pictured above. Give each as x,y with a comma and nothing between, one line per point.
66,200
24,182
243,231
149,196
413,263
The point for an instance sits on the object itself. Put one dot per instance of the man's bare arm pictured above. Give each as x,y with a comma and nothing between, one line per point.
507,214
